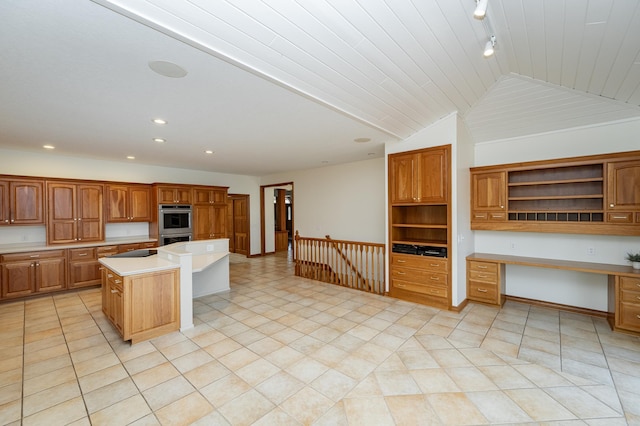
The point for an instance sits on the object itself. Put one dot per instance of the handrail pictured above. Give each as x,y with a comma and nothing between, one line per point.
353,264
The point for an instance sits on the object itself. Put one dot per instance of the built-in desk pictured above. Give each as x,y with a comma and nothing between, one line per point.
486,284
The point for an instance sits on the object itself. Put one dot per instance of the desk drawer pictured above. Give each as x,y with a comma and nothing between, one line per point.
630,316
629,284
486,277
437,264
474,265
630,297
431,290
419,276
483,292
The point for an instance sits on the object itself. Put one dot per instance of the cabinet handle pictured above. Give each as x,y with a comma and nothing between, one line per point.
483,276
114,291
32,265
434,264
435,279
433,291
502,207
400,273
118,281
402,261
11,221
6,221
619,217
82,254
34,255
479,216
611,205
638,316
400,285
110,275
482,290
482,267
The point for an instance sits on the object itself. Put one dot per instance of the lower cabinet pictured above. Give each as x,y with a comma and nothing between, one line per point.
24,274
625,292
485,282
142,306
84,269
420,279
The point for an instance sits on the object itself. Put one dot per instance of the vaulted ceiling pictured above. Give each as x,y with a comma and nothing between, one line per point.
277,85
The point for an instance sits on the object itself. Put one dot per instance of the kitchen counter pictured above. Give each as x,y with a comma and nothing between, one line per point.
40,246
125,266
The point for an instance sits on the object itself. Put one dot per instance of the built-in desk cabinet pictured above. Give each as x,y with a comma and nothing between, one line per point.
625,292
142,306
582,195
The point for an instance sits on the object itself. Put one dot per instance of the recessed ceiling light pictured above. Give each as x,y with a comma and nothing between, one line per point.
159,140
325,162
362,140
167,69
370,154
48,147
159,121
130,157
208,151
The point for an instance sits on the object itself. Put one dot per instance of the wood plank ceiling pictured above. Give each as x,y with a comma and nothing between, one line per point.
401,65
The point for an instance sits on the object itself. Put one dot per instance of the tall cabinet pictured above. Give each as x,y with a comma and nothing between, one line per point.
420,226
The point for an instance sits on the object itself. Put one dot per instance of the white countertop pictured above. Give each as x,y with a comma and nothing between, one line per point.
203,261
27,247
124,266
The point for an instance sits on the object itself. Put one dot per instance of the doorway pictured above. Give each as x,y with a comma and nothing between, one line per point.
238,230
276,217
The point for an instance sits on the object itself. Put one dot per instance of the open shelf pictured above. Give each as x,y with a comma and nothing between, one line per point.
413,225
418,242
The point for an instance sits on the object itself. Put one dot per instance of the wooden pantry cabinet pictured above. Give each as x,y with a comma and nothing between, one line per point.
24,274
597,194
128,203
21,201
75,212
142,306
209,212
420,226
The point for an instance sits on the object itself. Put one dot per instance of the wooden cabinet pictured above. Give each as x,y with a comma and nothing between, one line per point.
420,219
24,274
209,195
625,291
21,202
588,195
209,222
75,212
488,196
173,194
84,268
485,282
419,176
128,203
142,306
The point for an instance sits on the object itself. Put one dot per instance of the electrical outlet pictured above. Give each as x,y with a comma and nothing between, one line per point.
591,251
513,246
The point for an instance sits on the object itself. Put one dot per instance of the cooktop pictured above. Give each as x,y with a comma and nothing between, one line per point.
137,253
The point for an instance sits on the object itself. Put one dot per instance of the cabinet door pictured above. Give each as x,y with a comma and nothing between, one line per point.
219,222
433,176
90,222
115,310
183,195
26,202
202,222
4,203
62,216
18,279
401,176
51,274
201,196
166,195
117,203
84,273
623,185
140,204
488,191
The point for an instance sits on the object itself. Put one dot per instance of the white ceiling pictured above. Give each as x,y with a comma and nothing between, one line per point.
280,85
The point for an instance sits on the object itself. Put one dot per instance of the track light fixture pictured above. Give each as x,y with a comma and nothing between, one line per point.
481,9
489,48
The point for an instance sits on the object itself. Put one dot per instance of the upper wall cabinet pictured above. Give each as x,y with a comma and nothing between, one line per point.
75,212
419,177
209,195
21,202
597,194
174,194
128,203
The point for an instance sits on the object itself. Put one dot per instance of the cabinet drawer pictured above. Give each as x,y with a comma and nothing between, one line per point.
122,248
489,267
483,291
489,216
431,290
34,255
630,316
82,254
629,284
487,277
419,276
620,217
437,264
630,297
107,251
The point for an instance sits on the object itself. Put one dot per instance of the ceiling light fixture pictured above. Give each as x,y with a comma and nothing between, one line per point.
362,140
208,151
48,147
167,69
489,48
130,157
159,140
159,121
481,9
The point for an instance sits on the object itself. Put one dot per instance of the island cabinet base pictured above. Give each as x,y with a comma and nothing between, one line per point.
142,306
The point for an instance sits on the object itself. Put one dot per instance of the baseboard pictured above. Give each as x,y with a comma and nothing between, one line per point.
460,307
559,306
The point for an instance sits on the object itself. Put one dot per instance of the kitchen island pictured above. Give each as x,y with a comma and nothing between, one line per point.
200,268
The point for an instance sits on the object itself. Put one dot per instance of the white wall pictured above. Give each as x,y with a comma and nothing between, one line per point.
572,288
47,165
345,201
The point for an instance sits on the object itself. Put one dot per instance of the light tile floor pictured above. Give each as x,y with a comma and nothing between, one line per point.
281,350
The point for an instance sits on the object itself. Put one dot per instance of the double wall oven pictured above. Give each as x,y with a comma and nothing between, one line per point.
174,223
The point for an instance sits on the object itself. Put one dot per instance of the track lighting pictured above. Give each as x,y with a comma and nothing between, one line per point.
489,48
481,9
